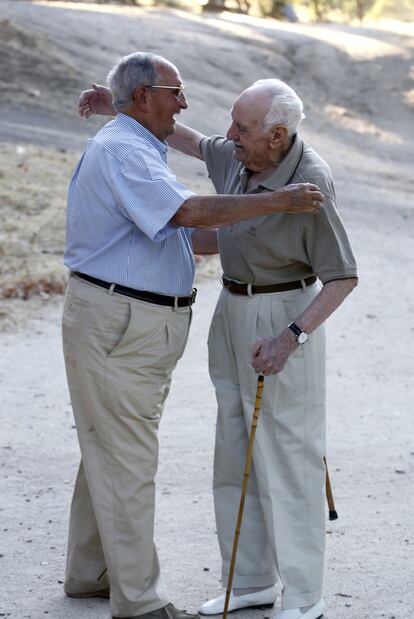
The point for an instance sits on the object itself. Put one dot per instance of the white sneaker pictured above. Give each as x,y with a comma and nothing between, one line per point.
314,612
264,598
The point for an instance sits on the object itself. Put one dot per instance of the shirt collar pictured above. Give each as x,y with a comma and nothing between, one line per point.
141,131
284,171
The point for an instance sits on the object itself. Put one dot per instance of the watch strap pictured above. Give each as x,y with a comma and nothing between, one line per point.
296,330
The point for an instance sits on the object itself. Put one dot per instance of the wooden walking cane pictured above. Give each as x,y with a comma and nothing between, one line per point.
333,514
260,382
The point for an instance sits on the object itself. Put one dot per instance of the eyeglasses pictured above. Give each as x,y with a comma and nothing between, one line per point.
177,91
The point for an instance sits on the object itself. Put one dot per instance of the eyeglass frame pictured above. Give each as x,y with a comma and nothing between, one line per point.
180,89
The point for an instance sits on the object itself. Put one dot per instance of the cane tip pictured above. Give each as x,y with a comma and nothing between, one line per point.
333,514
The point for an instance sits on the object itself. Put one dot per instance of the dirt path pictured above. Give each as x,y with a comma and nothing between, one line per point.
370,548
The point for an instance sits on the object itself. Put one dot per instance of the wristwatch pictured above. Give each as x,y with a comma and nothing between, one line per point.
301,336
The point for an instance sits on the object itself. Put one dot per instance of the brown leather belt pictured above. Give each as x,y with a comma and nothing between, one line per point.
142,295
249,289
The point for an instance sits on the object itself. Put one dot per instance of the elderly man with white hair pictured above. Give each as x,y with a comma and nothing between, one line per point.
270,315
271,301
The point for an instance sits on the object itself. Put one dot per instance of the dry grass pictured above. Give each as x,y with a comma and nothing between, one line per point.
34,182
26,288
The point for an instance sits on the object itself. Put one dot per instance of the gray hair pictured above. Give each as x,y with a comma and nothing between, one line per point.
286,107
131,71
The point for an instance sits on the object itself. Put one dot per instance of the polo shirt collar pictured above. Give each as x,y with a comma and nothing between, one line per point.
142,132
284,171
244,176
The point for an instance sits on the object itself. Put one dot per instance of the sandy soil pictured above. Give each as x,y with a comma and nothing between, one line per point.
357,85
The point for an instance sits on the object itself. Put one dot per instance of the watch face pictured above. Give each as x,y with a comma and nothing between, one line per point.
302,338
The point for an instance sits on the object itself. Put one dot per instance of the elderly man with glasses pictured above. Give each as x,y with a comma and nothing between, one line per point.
131,232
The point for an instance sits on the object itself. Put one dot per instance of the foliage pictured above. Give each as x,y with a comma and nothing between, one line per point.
272,8
323,10
393,9
350,9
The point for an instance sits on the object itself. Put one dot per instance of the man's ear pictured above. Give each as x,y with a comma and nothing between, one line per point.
279,135
140,97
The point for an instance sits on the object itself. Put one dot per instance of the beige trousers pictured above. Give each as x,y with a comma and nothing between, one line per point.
283,530
119,354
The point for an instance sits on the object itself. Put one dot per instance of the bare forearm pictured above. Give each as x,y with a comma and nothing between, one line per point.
217,211
205,242
325,303
269,354
186,140
222,210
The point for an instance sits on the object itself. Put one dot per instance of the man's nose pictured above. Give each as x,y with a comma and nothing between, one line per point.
231,132
183,101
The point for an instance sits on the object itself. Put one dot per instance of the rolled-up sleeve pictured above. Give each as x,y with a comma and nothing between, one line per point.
218,156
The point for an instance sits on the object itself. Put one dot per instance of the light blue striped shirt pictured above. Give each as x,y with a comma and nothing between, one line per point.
121,198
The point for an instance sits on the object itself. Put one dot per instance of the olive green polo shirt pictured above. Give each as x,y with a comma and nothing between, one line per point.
282,247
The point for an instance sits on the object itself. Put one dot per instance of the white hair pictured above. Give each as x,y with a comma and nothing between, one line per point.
139,68
286,107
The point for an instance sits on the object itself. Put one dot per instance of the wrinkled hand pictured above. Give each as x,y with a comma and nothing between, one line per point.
302,198
269,354
96,100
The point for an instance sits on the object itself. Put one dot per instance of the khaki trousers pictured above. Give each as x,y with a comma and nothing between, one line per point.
119,356
283,531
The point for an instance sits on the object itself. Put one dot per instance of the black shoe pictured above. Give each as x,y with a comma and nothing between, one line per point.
102,593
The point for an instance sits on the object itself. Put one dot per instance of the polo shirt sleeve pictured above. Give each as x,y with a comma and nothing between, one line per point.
148,193
218,156
326,241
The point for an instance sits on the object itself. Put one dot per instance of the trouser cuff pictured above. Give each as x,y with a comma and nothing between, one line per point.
249,580
297,600
134,609
72,586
